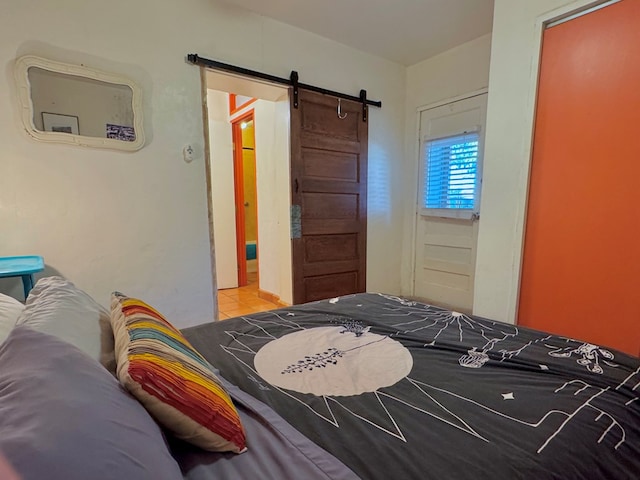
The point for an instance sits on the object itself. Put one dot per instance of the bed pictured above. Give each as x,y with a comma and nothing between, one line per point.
394,388
375,386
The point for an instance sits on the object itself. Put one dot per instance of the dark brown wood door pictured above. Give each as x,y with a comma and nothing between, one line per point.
329,197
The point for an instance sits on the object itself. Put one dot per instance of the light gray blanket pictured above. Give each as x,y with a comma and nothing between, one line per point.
276,450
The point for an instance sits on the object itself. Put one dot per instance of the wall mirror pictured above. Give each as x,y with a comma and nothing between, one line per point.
78,105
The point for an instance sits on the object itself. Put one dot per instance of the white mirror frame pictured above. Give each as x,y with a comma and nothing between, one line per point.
22,66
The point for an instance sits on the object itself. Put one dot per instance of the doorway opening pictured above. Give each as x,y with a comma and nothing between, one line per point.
248,143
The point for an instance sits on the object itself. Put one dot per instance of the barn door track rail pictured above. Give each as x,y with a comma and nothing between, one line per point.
292,81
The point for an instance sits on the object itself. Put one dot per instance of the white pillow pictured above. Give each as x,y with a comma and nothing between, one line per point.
57,307
10,310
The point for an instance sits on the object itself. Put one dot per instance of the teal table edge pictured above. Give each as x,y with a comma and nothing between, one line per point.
22,266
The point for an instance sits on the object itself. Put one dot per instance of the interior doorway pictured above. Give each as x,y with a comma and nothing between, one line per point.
248,144
310,147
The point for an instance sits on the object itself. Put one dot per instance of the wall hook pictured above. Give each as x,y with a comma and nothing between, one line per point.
341,115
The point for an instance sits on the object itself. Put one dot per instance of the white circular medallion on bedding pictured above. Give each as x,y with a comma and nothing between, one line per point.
333,361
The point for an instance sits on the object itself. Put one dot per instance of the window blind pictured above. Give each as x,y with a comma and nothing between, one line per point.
451,166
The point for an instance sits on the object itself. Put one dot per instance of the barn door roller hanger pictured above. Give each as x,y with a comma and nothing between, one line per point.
292,81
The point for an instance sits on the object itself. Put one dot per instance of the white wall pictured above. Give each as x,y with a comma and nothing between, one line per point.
456,72
222,189
137,222
512,92
282,157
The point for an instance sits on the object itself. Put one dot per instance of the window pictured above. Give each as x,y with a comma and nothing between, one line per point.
451,175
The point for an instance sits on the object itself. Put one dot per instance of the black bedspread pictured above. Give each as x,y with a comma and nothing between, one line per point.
402,390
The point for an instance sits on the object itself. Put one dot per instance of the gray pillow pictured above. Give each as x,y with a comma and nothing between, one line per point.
10,310
64,417
57,307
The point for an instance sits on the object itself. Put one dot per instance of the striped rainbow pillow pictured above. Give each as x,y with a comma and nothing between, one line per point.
171,379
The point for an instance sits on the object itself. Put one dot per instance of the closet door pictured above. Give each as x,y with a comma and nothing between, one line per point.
581,270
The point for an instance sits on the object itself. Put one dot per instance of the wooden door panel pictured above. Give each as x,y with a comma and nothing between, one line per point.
581,260
332,186
453,255
452,267
329,205
321,227
449,279
328,286
328,248
320,116
327,165
329,268
329,183
325,142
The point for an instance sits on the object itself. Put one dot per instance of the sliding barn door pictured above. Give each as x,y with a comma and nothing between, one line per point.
581,269
329,197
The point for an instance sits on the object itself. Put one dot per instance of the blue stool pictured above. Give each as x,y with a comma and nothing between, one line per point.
24,267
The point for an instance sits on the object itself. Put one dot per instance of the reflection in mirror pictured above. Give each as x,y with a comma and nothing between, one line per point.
90,105
75,104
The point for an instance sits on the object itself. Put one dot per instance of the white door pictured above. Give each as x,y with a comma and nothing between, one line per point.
451,146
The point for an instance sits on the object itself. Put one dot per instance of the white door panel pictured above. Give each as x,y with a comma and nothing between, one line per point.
446,247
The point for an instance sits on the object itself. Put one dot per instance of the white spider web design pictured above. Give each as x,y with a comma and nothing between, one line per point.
430,318
434,319
432,400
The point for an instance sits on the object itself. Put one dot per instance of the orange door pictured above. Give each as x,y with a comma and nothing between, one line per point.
581,270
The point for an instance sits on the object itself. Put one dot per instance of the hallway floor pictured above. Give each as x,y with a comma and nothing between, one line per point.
233,302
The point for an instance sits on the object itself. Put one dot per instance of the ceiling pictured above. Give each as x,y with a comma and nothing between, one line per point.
404,31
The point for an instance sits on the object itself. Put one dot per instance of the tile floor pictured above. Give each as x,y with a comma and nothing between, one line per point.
233,302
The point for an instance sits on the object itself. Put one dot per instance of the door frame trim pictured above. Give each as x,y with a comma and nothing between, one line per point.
580,12
447,101
297,186
416,172
208,181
